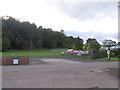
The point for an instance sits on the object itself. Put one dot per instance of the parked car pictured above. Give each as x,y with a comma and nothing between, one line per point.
78,52
74,52
70,51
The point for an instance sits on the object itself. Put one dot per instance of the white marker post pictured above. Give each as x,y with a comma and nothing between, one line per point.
108,53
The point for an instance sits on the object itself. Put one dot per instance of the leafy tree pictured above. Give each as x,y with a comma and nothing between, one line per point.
86,47
5,37
60,36
78,43
93,43
108,43
74,43
26,36
118,43
70,42
5,43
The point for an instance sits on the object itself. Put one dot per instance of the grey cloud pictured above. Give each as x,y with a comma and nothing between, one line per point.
98,35
87,10
84,11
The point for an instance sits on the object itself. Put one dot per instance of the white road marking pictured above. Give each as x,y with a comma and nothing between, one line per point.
59,61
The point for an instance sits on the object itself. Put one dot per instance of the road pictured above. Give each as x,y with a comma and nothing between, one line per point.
59,73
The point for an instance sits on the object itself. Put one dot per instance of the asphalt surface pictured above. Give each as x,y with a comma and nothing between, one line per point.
59,72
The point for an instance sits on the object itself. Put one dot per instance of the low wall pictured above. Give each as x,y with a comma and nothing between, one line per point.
8,60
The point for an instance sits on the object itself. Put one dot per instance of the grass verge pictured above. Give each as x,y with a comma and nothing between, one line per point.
46,52
111,59
89,58
31,53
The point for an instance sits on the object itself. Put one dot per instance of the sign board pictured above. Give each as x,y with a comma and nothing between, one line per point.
108,51
15,60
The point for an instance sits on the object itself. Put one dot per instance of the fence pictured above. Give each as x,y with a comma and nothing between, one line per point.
9,60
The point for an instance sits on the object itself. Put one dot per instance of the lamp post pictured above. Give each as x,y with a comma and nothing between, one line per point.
118,21
118,15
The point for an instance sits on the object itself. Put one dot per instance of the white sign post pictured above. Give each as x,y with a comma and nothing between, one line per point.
108,53
15,60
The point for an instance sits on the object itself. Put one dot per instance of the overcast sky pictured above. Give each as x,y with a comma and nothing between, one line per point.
77,18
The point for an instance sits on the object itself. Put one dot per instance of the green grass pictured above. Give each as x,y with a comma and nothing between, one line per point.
46,52
31,53
111,59
89,58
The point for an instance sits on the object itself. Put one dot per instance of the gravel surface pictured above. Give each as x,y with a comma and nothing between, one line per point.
61,72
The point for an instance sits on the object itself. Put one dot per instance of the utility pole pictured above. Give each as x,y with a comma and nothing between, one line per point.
118,20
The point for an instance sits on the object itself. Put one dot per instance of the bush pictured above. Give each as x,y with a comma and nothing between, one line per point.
99,54
119,56
95,56
112,54
117,52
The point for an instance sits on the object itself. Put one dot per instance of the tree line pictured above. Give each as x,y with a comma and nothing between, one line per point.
17,35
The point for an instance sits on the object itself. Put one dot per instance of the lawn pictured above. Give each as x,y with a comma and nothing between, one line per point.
31,53
89,58
48,52
111,59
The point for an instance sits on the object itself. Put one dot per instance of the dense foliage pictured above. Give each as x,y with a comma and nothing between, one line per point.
93,45
109,43
100,54
26,36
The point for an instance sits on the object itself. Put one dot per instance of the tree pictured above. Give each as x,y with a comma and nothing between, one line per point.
118,43
26,36
74,43
78,43
5,43
62,31
86,47
108,43
5,36
93,43
60,38
49,38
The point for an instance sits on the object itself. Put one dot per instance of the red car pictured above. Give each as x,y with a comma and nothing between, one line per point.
74,52
78,52
70,51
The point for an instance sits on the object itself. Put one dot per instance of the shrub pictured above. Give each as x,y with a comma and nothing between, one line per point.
95,56
112,54
99,54
117,52
119,56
